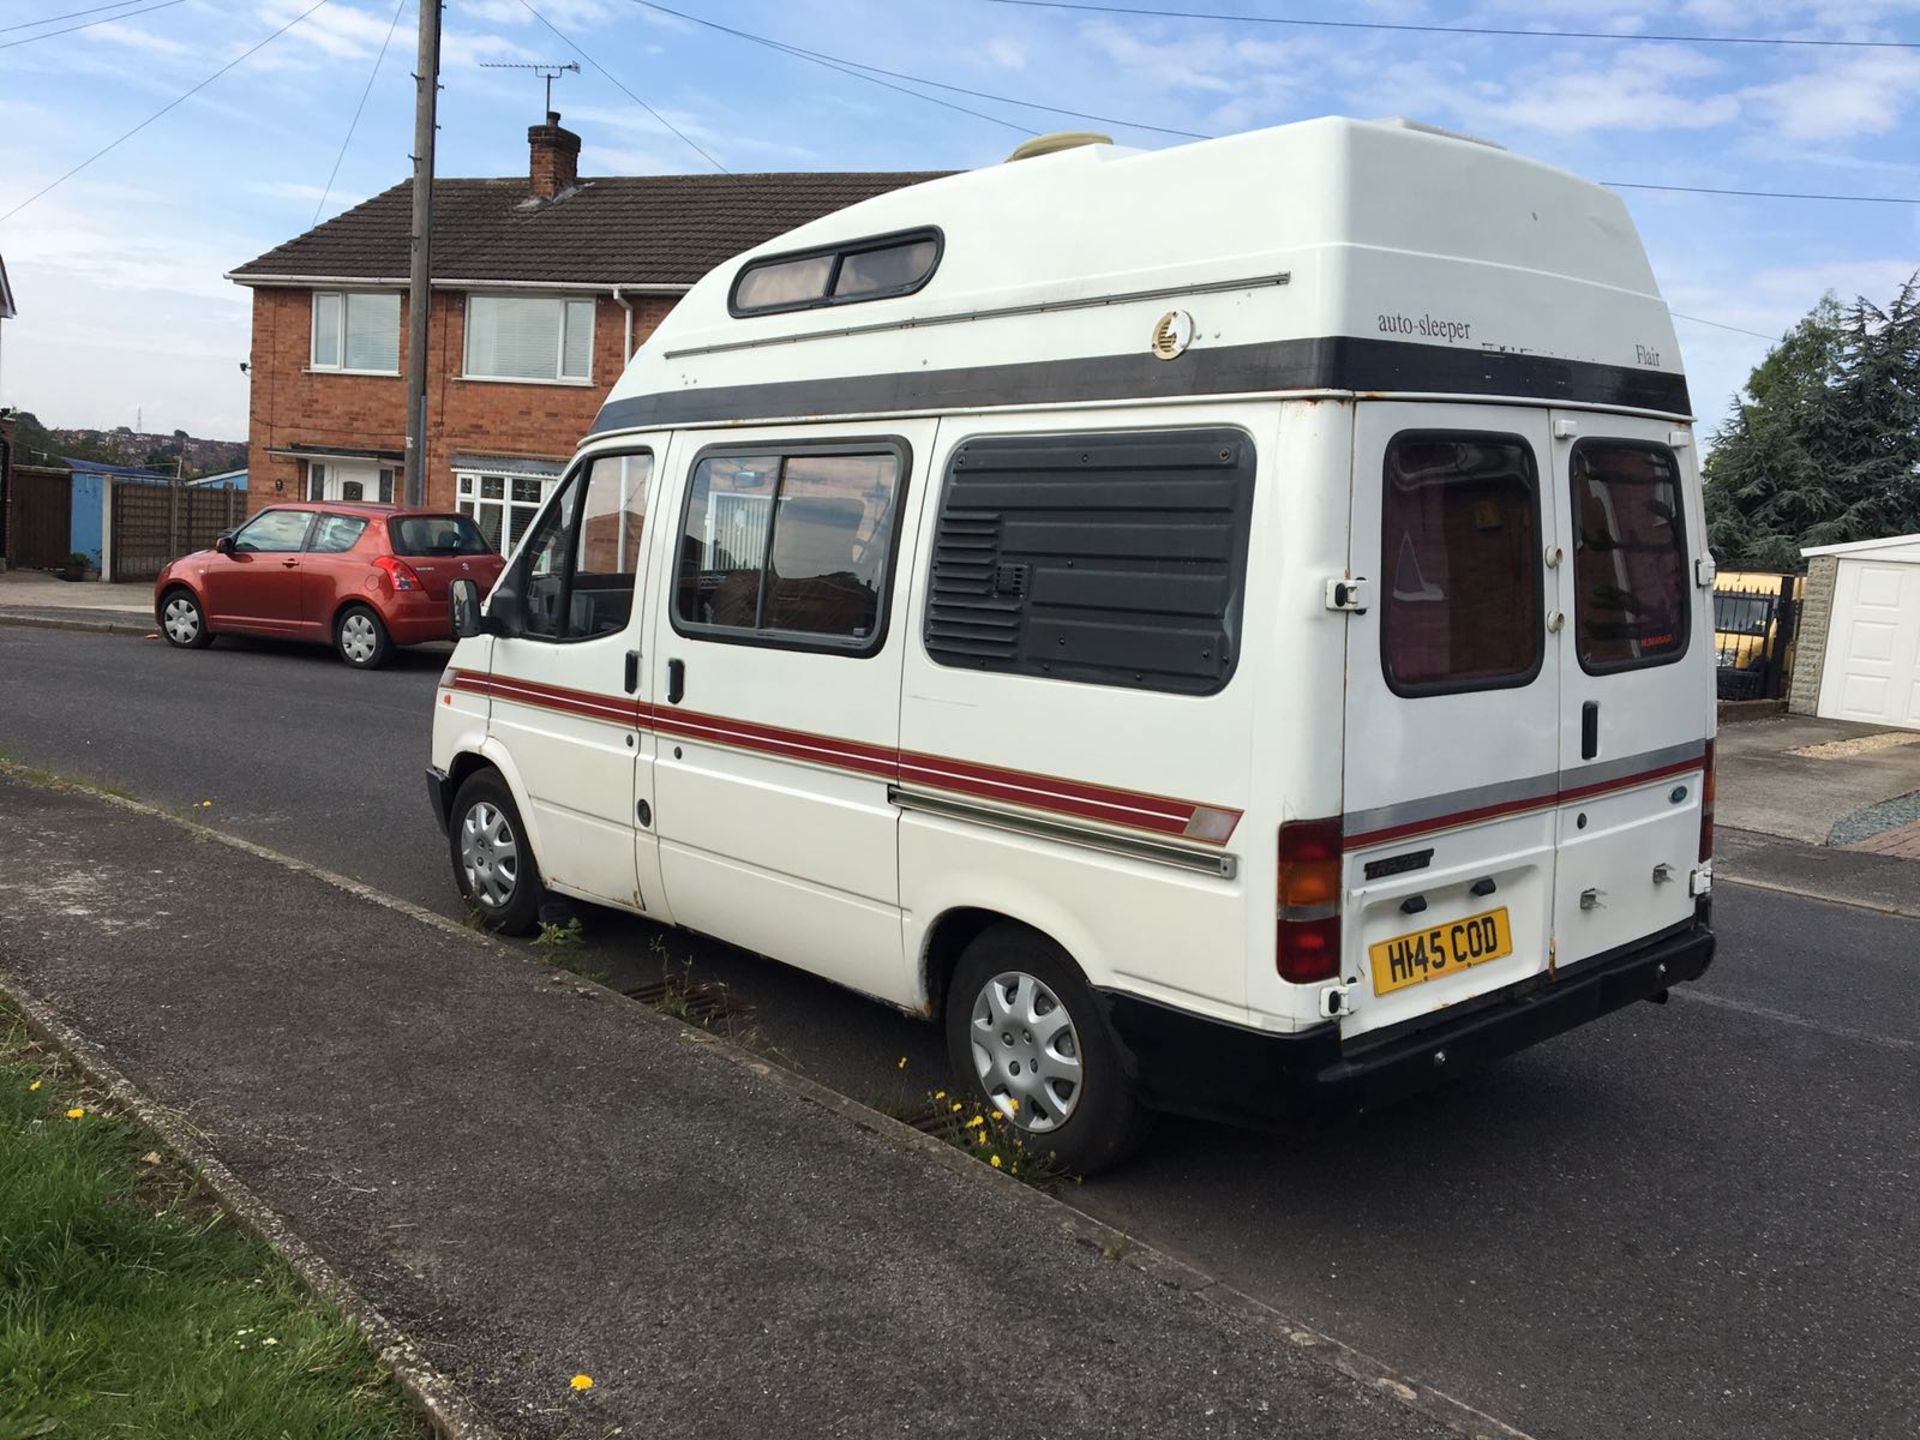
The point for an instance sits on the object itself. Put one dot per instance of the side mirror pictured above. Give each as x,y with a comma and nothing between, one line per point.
225,543
464,598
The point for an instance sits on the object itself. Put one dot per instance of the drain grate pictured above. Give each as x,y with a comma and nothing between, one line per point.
698,1001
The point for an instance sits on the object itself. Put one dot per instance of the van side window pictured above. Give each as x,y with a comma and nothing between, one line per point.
1629,556
1461,580
791,548
875,268
1110,558
577,570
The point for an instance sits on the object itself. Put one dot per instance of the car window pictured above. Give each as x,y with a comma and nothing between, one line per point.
1460,565
335,533
273,531
1629,556
576,571
434,535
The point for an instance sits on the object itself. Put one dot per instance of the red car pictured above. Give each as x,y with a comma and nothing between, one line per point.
362,578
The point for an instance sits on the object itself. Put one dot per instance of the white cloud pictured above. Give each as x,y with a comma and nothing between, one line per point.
1865,95
1004,53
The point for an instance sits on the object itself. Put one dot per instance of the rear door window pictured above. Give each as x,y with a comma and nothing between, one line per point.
1629,556
1461,582
437,535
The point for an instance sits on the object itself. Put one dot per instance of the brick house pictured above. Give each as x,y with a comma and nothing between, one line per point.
550,282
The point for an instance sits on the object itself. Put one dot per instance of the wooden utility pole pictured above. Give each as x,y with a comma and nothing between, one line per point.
419,290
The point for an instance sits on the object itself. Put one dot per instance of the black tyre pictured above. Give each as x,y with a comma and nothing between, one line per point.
183,622
1025,1032
493,864
361,638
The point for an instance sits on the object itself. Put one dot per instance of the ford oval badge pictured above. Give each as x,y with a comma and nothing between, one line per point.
1677,794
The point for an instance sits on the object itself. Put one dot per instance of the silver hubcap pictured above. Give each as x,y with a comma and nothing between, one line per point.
182,619
489,855
358,638
1026,1051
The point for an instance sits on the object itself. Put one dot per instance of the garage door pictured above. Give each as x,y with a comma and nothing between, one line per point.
1873,647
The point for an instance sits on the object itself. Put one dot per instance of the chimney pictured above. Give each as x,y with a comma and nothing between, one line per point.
554,158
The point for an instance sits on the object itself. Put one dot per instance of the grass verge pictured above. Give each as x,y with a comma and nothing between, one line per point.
130,1306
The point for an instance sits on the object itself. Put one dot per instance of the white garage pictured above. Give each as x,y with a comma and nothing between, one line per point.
1871,667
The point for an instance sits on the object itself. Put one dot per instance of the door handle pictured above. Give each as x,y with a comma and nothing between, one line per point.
288,564
676,681
633,671
1589,729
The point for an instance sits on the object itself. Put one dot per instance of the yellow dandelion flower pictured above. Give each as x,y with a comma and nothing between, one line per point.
956,1108
36,1085
581,1382
975,1123
1013,1103
995,1160
981,1138
939,1094
76,1113
903,1062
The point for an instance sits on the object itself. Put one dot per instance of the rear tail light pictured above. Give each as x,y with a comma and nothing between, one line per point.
1307,927
1706,808
398,571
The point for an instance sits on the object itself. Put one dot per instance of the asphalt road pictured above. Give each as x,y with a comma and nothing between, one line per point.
1694,1220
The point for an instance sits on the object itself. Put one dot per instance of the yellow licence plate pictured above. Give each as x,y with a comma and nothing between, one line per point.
1439,950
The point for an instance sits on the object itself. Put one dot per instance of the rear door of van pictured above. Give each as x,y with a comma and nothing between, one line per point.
1453,708
1636,688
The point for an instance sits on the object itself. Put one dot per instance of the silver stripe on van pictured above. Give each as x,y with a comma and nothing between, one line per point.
1513,792
1086,837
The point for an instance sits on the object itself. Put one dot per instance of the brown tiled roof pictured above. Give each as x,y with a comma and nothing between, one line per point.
617,230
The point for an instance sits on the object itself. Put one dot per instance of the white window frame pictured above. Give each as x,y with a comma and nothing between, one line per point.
340,366
560,349
468,501
379,483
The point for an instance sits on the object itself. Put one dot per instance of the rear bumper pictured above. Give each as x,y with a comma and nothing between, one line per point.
412,618
1190,1065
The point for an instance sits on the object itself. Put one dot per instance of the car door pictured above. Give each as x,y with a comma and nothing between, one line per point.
1452,745
1636,693
776,673
257,587
570,690
330,570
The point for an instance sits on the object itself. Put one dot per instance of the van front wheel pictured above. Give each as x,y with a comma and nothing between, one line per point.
492,862
1025,1031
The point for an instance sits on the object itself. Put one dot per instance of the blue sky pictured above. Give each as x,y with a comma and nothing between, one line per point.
117,271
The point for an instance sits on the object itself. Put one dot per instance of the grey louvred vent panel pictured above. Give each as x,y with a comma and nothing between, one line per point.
1114,559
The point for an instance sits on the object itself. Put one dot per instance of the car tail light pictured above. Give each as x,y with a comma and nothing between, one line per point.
398,571
1707,788
1307,926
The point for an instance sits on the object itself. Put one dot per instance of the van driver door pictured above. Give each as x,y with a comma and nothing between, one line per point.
1452,707
570,686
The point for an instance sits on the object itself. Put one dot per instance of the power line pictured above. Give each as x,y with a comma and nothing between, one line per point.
611,79
1722,325
70,15
845,67
1407,27
924,80
171,104
1765,194
84,25
327,192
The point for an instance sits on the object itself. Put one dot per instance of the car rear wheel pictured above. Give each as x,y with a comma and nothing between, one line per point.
1025,1032
183,622
492,862
361,639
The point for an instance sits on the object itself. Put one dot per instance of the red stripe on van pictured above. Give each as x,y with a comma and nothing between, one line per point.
1477,814
1131,809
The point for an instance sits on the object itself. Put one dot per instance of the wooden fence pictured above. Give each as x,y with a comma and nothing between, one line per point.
41,525
153,524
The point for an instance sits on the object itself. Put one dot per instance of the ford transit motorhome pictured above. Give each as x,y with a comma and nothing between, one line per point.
1213,627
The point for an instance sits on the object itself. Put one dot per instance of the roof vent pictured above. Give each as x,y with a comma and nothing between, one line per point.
1059,140
1401,122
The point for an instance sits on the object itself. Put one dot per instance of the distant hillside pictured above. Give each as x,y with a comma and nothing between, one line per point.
38,445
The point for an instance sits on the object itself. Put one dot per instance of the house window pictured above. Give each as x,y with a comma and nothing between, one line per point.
503,506
356,330
529,337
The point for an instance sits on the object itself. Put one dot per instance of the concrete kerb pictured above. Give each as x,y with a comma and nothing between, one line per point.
96,627
1074,1225
449,1414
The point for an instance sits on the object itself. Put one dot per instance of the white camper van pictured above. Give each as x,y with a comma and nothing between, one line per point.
1215,627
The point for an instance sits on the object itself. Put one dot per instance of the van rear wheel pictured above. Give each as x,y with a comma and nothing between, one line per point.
1024,1030
492,862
